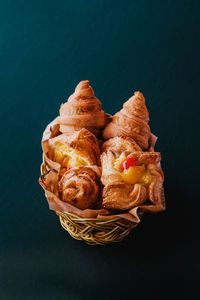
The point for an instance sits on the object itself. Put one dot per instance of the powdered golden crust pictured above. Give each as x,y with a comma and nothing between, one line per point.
132,120
80,186
118,194
83,142
82,110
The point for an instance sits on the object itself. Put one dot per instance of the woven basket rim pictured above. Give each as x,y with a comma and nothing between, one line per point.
110,220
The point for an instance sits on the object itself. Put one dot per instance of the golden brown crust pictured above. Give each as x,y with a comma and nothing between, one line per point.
121,144
82,110
109,175
123,196
83,144
118,194
156,186
132,120
146,157
80,186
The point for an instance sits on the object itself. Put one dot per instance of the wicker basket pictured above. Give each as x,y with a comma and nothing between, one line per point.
93,231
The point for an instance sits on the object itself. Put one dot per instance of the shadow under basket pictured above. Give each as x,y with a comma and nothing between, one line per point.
92,230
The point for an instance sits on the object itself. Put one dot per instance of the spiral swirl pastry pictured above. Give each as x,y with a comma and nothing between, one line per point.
80,187
132,120
82,110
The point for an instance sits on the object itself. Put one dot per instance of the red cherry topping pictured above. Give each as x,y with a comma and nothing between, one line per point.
129,162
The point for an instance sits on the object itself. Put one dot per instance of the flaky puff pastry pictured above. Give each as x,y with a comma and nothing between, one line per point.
121,144
118,194
132,120
80,186
78,149
82,110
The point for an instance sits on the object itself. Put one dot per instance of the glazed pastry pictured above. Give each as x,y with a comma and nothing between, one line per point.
78,149
121,144
155,188
82,110
132,120
129,178
80,186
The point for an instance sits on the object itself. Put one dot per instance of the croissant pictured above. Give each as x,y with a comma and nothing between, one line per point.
132,120
82,110
130,177
79,149
80,186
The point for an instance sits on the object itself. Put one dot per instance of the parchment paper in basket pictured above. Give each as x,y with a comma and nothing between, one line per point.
50,181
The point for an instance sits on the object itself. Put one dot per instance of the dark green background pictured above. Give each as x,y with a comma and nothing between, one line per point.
46,48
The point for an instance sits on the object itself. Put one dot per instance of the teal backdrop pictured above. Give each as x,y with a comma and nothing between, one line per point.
46,48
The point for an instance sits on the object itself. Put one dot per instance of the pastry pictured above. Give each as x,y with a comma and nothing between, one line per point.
121,144
79,149
129,177
122,179
82,110
80,186
132,120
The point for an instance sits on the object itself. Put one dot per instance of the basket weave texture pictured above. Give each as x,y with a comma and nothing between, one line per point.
93,231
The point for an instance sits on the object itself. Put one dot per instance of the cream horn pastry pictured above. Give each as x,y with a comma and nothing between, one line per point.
82,110
80,186
79,149
130,177
132,120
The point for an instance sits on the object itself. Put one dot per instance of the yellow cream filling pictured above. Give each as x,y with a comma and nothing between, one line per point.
67,157
118,162
134,174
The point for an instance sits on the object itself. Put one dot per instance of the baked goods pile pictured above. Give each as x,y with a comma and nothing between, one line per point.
98,163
